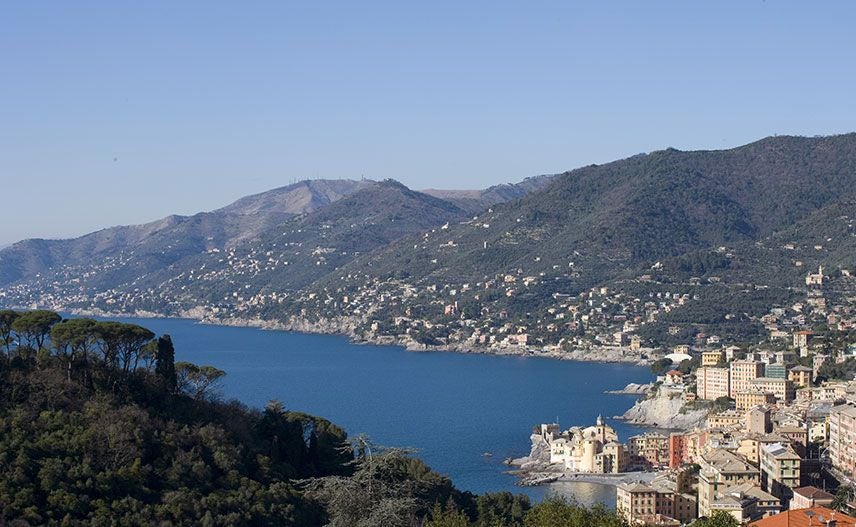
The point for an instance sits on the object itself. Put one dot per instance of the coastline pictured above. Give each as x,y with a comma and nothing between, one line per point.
535,478
346,327
526,476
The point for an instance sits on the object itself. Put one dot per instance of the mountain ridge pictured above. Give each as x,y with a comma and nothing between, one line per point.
669,215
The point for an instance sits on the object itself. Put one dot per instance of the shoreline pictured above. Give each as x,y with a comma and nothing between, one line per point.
538,478
526,477
345,327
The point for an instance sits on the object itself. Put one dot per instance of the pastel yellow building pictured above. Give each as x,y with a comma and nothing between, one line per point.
747,399
782,389
712,358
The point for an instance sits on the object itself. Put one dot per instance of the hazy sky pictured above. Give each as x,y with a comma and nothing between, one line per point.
122,112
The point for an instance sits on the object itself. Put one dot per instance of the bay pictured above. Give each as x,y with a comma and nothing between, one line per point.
452,408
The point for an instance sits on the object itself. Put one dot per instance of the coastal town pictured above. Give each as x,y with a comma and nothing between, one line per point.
757,433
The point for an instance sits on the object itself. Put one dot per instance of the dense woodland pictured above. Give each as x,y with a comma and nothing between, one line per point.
99,425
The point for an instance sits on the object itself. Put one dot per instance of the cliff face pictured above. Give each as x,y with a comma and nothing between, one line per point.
664,410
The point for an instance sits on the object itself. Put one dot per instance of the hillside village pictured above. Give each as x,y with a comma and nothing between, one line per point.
776,428
558,266
638,319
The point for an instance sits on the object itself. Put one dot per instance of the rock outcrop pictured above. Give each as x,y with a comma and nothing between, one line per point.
633,389
666,409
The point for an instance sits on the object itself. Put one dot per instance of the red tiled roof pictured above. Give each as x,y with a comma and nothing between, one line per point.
799,518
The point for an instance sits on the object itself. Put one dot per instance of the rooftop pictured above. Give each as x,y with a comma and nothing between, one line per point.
798,518
813,493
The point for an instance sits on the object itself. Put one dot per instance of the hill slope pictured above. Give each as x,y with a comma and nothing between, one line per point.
751,219
601,221
170,239
289,256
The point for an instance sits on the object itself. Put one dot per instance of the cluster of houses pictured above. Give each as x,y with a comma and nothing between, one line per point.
776,443
782,437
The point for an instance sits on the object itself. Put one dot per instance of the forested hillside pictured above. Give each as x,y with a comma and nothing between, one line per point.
603,220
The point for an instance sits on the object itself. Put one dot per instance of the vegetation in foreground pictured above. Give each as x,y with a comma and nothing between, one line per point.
100,426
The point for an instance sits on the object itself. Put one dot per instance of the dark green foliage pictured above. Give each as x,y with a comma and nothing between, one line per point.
165,363
723,403
842,370
558,512
7,318
107,446
501,509
688,366
90,435
661,366
35,326
447,517
844,497
718,519
196,381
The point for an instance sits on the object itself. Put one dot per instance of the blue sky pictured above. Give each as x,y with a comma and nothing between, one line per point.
123,112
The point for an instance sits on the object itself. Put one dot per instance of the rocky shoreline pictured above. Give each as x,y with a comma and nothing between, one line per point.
534,479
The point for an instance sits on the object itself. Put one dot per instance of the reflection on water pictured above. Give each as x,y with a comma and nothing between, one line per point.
584,492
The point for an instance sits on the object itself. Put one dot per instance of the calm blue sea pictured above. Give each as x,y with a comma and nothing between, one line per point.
451,407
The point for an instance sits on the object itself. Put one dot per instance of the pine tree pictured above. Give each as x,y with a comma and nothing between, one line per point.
165,362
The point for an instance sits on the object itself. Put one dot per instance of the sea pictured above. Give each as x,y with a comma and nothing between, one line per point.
463,414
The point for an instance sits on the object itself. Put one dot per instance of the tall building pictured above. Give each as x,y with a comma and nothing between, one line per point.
758,420
801,342
776,370
801,375
712,358
713,383
686,447
842,439
648,450
745,400
659,502
743,371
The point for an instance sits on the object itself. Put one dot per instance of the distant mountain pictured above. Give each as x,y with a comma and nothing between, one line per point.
170,239
307,248
173,260
474,201
761,214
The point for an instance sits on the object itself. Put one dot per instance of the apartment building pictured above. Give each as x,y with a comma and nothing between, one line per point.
743,371
713,383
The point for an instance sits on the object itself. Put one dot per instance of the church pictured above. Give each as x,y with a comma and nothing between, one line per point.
594,449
